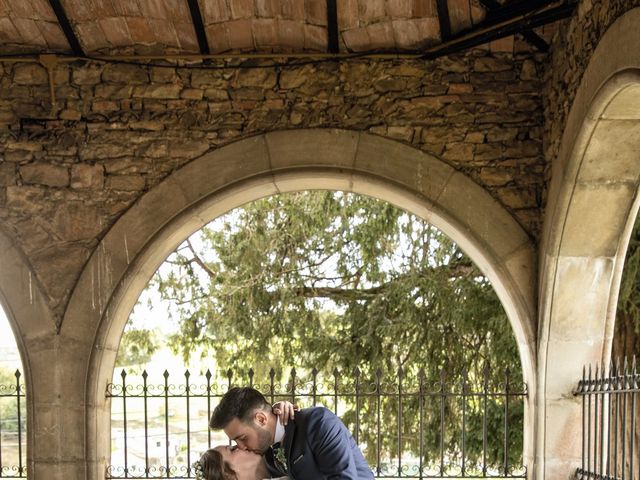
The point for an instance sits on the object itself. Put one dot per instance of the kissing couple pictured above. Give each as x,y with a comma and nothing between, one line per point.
275,442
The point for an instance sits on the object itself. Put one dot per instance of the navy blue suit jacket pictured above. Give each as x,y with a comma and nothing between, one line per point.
317,445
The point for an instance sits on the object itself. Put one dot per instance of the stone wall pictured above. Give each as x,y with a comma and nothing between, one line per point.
572,48
69,170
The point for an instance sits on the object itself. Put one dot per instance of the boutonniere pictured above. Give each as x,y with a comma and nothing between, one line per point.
280,457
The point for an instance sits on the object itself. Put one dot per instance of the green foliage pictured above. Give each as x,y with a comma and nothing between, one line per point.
334,280
9,402
629,296
136,347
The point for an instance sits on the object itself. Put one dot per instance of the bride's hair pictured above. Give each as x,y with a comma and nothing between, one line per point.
211,466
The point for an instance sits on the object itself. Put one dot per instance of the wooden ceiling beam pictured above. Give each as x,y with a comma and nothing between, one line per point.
333,45
65,25
198,26
444,20
530,36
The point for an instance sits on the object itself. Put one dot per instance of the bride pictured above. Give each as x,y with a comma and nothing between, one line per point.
230,463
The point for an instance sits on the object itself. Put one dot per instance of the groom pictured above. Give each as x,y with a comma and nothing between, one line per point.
315,445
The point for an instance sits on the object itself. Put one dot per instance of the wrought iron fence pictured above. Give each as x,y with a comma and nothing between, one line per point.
610,416
12,428
408,426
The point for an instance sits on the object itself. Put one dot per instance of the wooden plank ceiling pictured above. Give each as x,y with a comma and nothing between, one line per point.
145,27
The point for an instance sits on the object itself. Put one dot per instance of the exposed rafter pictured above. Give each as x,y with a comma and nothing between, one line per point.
520,17
332,27
198,26
64,23
530,36
444,20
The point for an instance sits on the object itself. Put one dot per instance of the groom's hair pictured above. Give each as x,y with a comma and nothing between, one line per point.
238,403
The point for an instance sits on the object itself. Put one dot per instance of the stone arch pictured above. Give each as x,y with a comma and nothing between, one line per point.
592,207
31,321
277,162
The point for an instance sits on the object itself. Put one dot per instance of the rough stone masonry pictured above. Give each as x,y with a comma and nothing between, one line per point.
68,170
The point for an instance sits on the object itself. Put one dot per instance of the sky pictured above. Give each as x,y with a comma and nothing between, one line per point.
9,356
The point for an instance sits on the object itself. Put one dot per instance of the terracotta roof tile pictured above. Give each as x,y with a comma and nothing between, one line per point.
406,34
381,35
214,11
240,34
186,36
164,31
242,8
153,8
400,8
356,39
91,36
140,30
459,14
371,10
292,9
348,14
316,12
53,35
29,31
8,31
115,30
267,8
265,33
41,9
429,29
218,38
290,33
424,8
315,38
78,11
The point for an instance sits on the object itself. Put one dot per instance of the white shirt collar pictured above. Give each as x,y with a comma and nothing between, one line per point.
279,435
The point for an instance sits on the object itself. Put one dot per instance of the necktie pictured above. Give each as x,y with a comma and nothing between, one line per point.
279,458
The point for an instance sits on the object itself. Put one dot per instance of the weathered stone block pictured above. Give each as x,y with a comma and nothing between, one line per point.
89,74
70,115
492,176
125,182
488,151
492,64
151,125
25,145
189,149
290,79
401,133
45,174
442,134
113,92
216,94
192,94
87,176
30,74
461,152
76,221
163,75
128,74
255,77
158,91
7,174
18,156
154,150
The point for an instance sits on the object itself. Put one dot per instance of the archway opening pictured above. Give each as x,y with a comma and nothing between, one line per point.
13,405
336,282
287,161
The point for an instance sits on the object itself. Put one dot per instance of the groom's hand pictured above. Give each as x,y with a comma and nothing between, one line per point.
285,410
